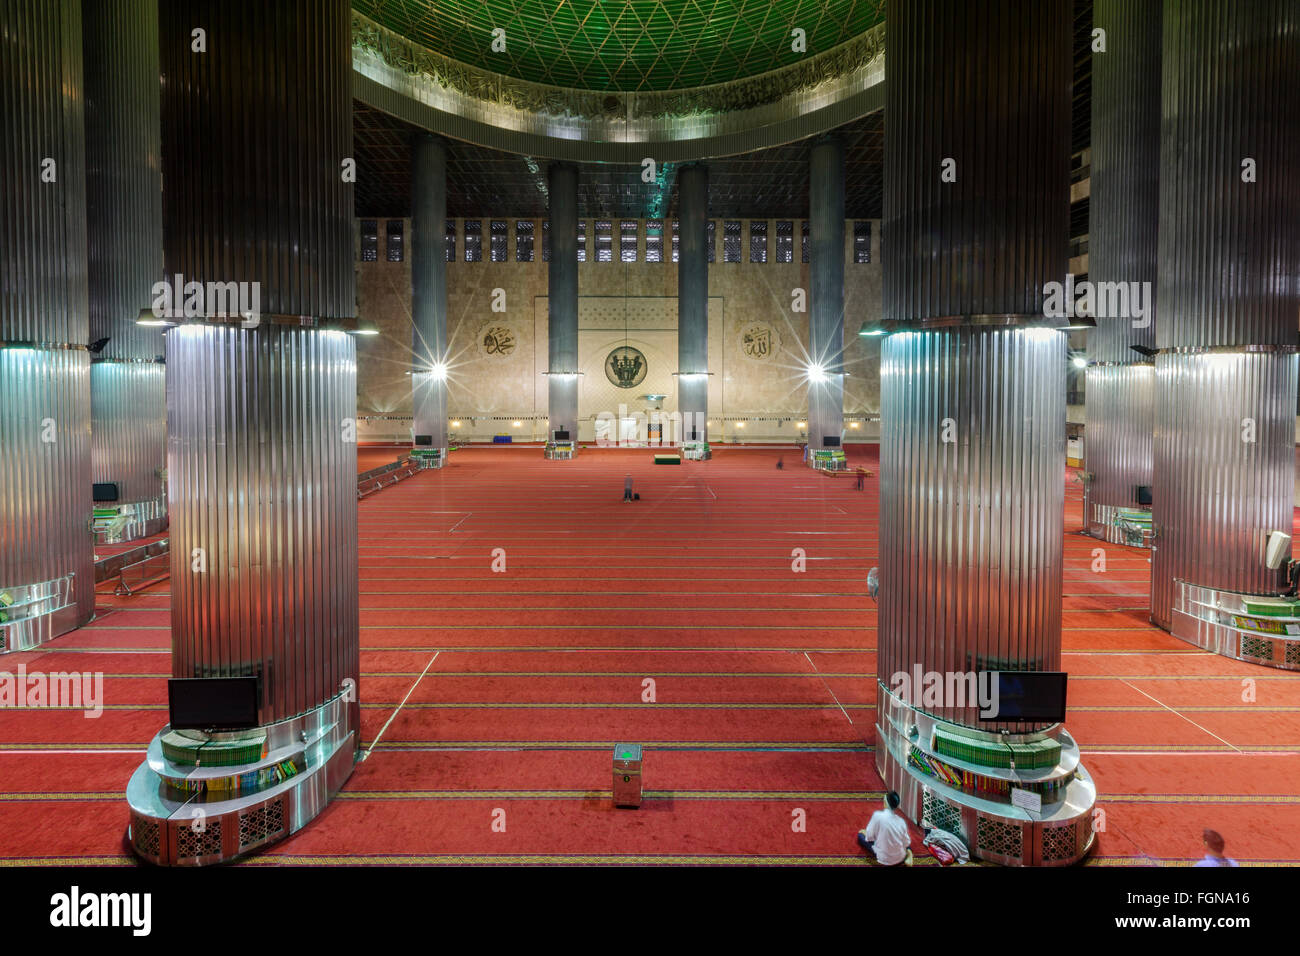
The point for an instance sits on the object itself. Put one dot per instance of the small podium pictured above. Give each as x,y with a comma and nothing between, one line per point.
627,775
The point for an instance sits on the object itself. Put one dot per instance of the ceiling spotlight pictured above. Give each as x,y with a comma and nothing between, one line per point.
1079,361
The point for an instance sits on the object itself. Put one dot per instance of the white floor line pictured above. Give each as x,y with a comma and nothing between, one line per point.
828,690
400,706
1188,753
1182,715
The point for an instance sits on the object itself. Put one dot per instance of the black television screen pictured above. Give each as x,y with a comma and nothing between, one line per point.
423,439
1144,494
213,703
831,441
561,435
104,491
1030,696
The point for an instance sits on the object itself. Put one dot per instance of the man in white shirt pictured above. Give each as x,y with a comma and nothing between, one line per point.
887,836
1214,850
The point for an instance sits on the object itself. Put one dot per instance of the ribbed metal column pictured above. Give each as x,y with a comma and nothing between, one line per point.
1117,443
1125,194
1229,294
984,245
826,313
44,366
693,301
261,421
562,299
264,487
429,288
973,404
124,213
971,528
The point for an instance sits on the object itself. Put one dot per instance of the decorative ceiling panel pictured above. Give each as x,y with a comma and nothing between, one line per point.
626,45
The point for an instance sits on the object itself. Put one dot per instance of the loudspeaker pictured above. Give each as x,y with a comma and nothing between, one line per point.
1278,550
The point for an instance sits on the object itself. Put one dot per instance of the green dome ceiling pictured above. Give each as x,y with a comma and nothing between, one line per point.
626,45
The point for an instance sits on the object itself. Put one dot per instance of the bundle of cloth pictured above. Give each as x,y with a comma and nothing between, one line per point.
946,847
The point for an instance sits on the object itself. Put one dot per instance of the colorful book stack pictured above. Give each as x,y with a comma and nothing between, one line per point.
991,788
250,782
1263,626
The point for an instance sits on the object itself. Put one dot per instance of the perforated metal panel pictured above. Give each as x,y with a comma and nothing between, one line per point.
942,814
1000,838
1060,843
196,841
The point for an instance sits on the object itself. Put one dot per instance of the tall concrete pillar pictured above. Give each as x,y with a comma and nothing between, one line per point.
973,421
693,301
429,289
124,214
562,299
826,313
46,567
1125,200
1229,295
261,410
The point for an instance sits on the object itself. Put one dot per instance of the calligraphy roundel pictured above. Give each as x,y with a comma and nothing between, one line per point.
759,342
497,340
625,367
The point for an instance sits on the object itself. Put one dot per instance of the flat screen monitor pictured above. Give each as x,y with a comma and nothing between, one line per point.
423,440
104,491
1144,494
561,434
213,703
1030,696
831,441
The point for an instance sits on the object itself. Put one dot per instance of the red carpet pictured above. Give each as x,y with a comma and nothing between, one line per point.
505,690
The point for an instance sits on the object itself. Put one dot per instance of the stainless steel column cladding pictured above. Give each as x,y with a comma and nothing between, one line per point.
45,504
1124,207
429,288
1117,443
971,529
124,213
826,307
261,457
263,510
1229,294
973,420
562,299
693,300
972,459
